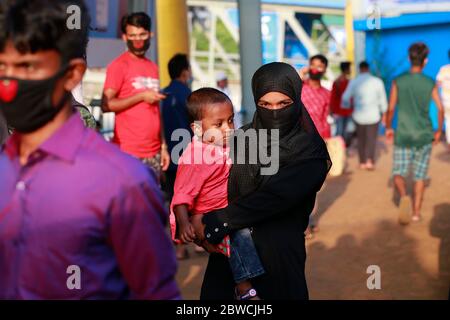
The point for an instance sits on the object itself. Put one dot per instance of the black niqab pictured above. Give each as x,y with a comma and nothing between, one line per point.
299,140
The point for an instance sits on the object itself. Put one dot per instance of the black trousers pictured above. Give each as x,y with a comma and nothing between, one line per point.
367,141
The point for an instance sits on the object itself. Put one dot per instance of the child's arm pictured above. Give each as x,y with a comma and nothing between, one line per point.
437,100
186,230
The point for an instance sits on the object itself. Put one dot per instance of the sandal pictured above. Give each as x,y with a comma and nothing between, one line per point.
404,215
416,218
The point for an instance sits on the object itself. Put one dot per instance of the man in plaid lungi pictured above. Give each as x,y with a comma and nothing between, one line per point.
412,92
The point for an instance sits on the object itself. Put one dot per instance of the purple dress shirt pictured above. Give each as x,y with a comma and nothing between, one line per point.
82,220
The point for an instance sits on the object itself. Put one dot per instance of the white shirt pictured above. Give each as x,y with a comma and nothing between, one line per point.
443,79
369,98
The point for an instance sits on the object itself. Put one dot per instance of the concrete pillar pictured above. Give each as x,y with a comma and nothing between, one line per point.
250,45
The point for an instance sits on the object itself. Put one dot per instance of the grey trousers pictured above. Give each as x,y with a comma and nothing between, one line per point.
367,141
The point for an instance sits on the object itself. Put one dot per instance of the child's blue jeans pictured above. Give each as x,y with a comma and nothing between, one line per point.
244,260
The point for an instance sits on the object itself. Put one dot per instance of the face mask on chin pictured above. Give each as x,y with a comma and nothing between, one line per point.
28,104
315,75
138,47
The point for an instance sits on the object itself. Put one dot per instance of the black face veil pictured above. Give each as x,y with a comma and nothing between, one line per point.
298,137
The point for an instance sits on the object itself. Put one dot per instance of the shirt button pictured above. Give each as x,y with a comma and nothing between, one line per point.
21,185
216,229
225,224
208,235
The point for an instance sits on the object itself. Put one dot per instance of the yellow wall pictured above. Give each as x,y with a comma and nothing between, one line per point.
173,34
350,35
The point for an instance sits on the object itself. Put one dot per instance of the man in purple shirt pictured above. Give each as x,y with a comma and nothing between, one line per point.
79,219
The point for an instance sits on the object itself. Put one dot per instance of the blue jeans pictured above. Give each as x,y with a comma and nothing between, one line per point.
244,259
342,128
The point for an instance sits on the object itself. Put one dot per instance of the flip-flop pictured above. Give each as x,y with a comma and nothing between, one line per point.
404,209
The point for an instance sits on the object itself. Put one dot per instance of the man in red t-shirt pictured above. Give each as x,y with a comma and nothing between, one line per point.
317,101
342,116
315,97
131,91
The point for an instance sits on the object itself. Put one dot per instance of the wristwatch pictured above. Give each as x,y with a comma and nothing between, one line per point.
248,295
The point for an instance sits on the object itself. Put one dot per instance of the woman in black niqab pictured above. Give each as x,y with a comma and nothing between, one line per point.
276,207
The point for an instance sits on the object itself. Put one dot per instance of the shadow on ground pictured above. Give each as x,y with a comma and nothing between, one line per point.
340,272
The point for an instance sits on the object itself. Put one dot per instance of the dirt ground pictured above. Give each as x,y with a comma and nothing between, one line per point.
358,228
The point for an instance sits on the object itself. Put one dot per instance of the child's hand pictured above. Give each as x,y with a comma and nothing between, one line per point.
199,227
187,233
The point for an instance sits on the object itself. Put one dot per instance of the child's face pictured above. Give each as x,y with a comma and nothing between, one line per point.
217,123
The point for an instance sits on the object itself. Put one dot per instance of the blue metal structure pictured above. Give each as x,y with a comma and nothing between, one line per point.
386,49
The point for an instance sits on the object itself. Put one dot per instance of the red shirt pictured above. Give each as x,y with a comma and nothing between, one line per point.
138,129
339,86
201,182
317,102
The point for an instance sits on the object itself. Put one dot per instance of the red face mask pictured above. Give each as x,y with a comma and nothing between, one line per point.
27,104
138,47
315,74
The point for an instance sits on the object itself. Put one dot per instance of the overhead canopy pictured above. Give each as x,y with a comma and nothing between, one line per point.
333,4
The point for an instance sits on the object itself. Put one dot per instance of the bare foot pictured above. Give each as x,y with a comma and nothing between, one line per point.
369,165
182,252
199,249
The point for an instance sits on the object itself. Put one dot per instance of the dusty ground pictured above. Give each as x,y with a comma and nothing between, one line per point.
358,228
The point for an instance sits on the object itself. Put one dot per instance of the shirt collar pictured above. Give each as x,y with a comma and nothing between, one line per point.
63,144
307,83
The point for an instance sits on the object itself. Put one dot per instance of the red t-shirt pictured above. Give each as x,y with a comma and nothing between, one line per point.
339,87
138,129
317,102
202,183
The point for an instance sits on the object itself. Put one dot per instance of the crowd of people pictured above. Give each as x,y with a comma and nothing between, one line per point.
70,198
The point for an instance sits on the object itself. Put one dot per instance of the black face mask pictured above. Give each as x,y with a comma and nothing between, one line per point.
282,119
27,104
314,75
139,51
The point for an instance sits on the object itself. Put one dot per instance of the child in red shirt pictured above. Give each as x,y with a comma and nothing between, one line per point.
201,185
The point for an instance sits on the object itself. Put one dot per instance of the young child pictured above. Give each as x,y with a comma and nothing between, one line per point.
201,185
